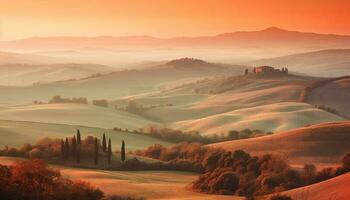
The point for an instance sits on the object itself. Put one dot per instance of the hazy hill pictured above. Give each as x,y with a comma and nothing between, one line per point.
117,84
271,36
21,58
232,47
27,74
319,144
333,62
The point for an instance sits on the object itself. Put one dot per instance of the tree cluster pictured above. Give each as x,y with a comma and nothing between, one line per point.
69,150
176,136
33,180
59,99
239,173
100,102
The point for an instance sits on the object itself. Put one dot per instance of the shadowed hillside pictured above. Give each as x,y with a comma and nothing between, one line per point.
333,94
319,144
335,188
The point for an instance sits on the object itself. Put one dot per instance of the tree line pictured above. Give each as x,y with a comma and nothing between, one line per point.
72,148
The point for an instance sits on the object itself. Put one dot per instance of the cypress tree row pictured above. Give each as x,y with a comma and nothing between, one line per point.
96,152
122,152
109,152
104,145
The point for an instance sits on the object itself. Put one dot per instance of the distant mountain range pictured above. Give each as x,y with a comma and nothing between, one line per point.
267,38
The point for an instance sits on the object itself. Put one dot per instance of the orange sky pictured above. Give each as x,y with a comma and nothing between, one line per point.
166,18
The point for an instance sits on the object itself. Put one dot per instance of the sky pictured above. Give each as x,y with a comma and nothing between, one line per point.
167,18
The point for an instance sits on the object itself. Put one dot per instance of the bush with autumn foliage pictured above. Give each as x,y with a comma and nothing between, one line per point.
34,180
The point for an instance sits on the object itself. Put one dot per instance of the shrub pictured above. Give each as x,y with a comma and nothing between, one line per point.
101,102
33,180
59,99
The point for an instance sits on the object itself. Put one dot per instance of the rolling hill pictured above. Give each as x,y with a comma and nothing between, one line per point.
74,114
323,145
234,47
273,117
215,106
21,58
326,63
335,188
271,36
18,133
25,74
118,84
334,94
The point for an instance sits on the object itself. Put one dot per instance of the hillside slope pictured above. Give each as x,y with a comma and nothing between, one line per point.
74,114
334,94
18,133
326,63
117,84
24,74
272,117
323,144
337,188
32,59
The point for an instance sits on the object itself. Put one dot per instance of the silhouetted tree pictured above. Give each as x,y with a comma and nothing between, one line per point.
309,174
74,146
66,147
104,145
122,152
63,149
109,152
78,137
96,152
77,156
346,162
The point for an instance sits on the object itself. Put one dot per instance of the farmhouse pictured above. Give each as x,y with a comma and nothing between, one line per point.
269,70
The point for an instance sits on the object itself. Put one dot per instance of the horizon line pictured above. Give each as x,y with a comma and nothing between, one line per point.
172,37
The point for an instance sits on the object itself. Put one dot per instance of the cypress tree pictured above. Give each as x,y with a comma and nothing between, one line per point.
63,149
78,137
74,146
77,156
122,152
96,152
104,145
66,146
109,152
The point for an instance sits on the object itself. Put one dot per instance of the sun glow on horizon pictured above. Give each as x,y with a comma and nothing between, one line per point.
21,19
